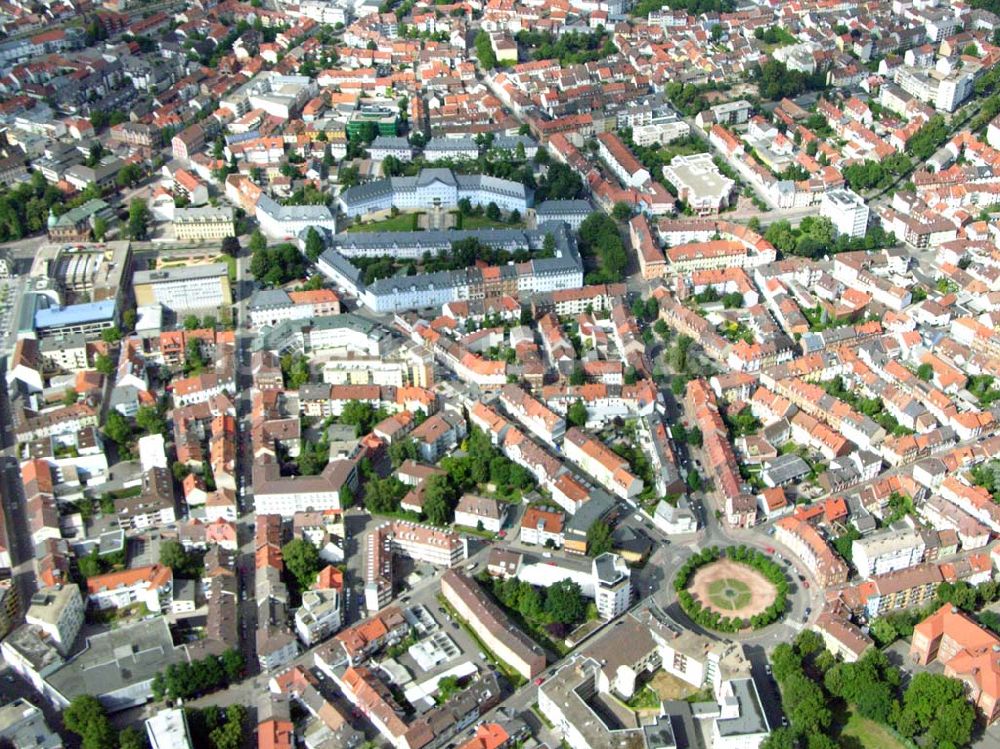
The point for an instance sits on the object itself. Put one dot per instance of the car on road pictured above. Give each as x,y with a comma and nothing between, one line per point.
805,584
471,566
539,681
769,549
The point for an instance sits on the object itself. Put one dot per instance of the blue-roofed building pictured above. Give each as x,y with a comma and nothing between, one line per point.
87,319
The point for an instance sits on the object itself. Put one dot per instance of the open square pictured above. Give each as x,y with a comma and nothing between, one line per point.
732,589
730,594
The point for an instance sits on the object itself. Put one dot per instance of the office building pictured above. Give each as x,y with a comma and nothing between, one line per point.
847,212
196,289
699,183
57,611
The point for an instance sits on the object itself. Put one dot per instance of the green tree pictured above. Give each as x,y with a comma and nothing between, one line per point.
100,229
111,335
117,429
601,244
403,449
598,539
484,51
360,415
85,716
576,415
70,397
302,561
231,246
138,219
564,602
258,241
132,738
384,495
621,211
149,419
90,564
176,557
883,631
935,705
314,244
295,368
781,738
104,364
694,482
233,664
439,499
346,497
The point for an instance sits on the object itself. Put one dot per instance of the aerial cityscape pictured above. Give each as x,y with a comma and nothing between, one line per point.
500,374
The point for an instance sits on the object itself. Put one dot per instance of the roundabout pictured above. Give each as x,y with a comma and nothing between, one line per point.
732,589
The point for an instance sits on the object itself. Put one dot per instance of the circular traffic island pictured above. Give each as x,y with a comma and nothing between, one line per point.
731,589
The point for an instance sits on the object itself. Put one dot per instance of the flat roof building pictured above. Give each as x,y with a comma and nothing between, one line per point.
194,289
699,183
168,729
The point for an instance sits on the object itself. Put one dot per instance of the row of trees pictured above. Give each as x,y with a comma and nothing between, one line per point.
776,81
118,429
213,728
209,674
86,717
556,609
932,710
483,463
928,139
603,249
872,175
693,7
573,48
816,237
706,617
274,266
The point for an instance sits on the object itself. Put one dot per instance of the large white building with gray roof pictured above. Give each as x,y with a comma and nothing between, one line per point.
433,188
563,270
288,221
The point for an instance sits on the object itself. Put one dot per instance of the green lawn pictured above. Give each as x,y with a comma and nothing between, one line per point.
729,594
402,222
231,264
482,222
861,733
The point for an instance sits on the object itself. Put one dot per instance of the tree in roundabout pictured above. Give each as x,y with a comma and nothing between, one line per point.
731,589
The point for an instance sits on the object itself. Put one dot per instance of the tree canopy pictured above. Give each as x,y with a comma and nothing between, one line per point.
603,249
302,561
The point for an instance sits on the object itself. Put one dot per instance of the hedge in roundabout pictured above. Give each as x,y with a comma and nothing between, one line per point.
707,617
